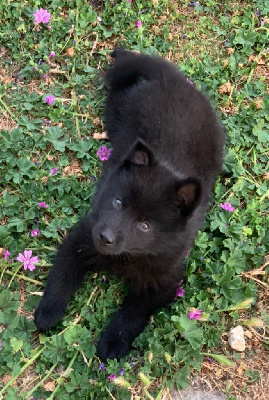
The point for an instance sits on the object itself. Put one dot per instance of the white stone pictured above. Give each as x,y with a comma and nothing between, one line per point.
236,339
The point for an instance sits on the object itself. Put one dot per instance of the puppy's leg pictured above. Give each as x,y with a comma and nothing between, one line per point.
71,263
130,321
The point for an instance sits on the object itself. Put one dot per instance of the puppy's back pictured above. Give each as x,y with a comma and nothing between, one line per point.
150,99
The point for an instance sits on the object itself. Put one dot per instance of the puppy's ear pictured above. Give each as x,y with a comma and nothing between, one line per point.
188,195
140,155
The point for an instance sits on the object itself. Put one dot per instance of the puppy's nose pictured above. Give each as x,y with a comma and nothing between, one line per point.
107,237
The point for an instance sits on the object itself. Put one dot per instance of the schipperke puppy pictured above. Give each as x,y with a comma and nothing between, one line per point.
150,201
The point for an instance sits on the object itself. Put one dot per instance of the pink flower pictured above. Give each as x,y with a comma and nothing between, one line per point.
262,22
11,260
52,54
43,205
53,171
195,314
6,254
28,260
42,16
35,232
139,24
130,1
180,291
50,99
111,377
104,153
227,207
49,27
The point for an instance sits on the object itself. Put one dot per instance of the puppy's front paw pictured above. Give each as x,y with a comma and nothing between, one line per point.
113,344
48,315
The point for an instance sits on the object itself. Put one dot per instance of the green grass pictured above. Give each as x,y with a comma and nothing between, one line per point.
46,137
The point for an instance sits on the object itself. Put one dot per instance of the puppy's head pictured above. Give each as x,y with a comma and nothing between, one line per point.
143,206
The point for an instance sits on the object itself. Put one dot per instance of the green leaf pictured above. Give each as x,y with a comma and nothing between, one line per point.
6,301
181,378
189,330
221,359
16,344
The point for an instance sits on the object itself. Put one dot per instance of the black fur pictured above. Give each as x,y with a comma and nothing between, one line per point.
150,201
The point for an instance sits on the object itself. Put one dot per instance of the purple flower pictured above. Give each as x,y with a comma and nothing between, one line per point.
262,22
11,260
227,207
35,232
102,367
111,377
257,12
46,122
53,171
28,260
42,16
180,291
121,371
189,81
193,3
50,99
139,24
52,54
210,360
195,314
6,254
43,205
104,153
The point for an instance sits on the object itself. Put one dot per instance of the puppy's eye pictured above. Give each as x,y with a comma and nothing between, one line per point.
144,226
117,203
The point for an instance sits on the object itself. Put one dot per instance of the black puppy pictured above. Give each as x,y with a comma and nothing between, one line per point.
150,202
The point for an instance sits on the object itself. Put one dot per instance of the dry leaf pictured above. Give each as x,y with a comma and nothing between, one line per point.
258,104
6,378
96,121
249,334
230,50
170,37
70,52
49,386
266,176
225,88
99,136
73,169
